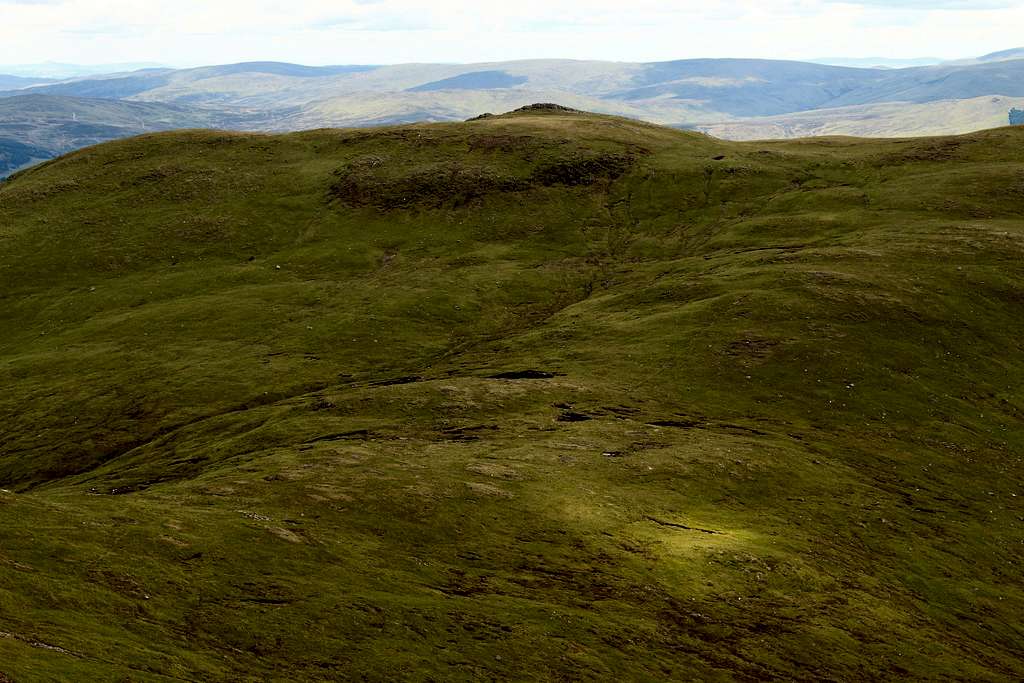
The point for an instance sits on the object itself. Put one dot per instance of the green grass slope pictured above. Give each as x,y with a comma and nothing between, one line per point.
546,396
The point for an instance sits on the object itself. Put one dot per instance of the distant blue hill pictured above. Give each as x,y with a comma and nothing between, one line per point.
137,82
17,82
110,88
15,154
58,71
280,69
1003,55
476,80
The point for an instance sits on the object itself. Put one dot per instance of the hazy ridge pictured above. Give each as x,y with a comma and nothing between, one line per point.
736,98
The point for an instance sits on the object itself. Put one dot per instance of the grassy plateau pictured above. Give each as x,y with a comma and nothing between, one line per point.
544,396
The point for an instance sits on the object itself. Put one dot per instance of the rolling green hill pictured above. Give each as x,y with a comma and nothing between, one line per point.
547,396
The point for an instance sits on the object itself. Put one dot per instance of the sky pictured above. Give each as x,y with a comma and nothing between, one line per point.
196,32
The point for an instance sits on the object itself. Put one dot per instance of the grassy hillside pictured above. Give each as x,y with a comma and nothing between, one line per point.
550,396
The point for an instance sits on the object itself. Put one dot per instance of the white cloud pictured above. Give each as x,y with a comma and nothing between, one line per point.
387,31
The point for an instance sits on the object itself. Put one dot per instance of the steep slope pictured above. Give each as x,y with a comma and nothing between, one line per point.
550,393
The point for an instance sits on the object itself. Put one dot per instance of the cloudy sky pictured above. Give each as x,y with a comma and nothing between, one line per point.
193,32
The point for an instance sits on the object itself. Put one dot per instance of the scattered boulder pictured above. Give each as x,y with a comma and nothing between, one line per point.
453,183
573,416
537,108
467,434
584,170
487,490
411,379
359,185
546,107
525,374
677,424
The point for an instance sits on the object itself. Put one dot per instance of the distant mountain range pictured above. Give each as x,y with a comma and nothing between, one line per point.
1001,56
886,119
36,127
17,82
878,62
59,70
736,98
